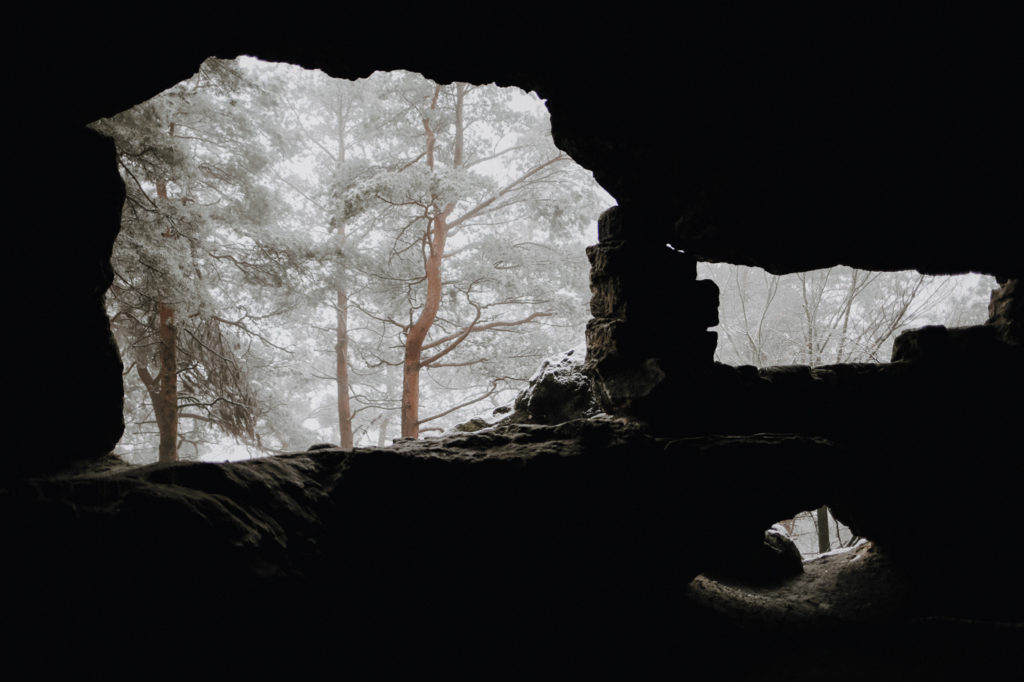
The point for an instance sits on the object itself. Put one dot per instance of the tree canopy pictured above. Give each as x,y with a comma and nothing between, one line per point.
299,255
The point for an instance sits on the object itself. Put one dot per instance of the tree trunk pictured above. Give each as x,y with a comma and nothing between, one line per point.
823,544
167,415
165,400
437,235
341,351
847,309
418,332
382,434
341,344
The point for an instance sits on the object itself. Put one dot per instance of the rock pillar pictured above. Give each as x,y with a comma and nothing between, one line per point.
648,341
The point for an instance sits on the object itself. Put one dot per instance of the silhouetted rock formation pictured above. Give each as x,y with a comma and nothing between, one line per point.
529,537
559,391
787,139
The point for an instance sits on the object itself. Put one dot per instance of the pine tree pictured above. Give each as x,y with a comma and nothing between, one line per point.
191,253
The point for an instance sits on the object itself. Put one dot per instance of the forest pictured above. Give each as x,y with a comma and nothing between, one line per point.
834,315
305,259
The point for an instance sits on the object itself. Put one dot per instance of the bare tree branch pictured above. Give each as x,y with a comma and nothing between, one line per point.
480,328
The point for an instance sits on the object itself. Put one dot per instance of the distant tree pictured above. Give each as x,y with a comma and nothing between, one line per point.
823,530
853,315
817,531
337,128
400,165
465,254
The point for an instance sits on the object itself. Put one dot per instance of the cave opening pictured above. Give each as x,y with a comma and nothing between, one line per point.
836,315
294,246
910,124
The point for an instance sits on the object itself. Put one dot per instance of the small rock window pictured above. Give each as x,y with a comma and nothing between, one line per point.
835,315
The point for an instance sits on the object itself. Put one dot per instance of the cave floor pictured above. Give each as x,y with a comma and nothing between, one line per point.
847,617
160,571
853,586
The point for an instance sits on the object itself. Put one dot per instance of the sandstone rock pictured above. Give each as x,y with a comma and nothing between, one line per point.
771,562
474,424
558,391
669,306
617,339
788,560
639,258
965,346
1006,311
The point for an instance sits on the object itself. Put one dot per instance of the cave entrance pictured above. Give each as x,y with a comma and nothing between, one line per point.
816,532
295,247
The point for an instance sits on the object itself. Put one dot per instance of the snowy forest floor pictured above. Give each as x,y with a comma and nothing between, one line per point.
849,617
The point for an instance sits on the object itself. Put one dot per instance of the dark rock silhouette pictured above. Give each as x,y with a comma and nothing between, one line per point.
786,139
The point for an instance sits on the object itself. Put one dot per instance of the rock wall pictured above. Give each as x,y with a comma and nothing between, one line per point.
65,369
1006,311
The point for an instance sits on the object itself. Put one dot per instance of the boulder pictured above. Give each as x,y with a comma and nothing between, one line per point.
770,562
559,391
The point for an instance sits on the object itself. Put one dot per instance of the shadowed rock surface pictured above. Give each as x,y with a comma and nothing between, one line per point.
852,615
446,559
